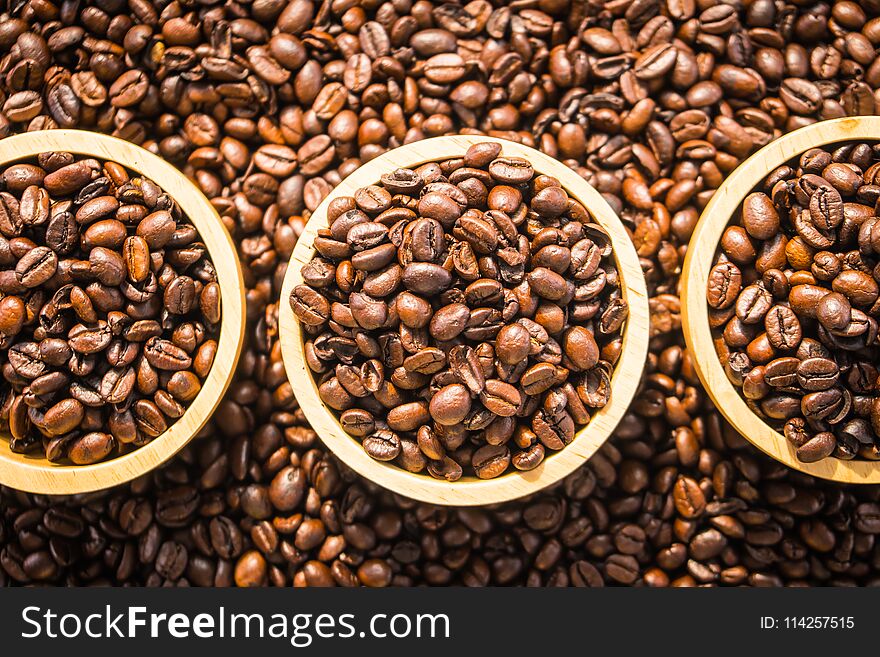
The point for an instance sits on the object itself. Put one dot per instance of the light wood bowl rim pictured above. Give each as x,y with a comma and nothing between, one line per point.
695,316
34,473
470,491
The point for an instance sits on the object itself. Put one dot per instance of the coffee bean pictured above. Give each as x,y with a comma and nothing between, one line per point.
834,311
310,307
511,170
90,448
690,502
490,461
512,344
179,296
382,445
500,398
783,327
724,285
818,447
36,267
450,405
426,278
580,347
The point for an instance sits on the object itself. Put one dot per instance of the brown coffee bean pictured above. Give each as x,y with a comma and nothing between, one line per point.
500,398
724,285
511,170
580,347
759,216
450,405
310,306
63,417
690,502
165,355
449,321
834,311
36,267
91,448
408,417
382,445
491,461
512,344
818,447
180,295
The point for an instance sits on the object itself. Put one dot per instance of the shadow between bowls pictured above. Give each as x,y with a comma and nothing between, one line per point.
470,491
698,262
34,473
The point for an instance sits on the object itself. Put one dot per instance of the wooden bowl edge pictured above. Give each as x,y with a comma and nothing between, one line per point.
512,485
36,474
697,264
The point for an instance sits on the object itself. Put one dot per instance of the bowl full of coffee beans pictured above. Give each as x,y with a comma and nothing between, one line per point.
464,320
121,311
782,300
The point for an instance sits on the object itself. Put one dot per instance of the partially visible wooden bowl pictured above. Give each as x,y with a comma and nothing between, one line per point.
470,491
700,258
35,474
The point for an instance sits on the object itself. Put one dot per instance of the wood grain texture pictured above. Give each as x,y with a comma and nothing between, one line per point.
700,256
470,491
34,473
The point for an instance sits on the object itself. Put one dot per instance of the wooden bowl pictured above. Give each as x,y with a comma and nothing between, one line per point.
33,473
700,258
470,491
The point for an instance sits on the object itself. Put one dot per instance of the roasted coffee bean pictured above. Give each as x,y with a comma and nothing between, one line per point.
500,398
724,285
382,445
817,448
783,327
834,311
512,344
451,404
310,306
36,267
491,461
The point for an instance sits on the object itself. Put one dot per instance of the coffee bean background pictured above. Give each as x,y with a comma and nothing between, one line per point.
268,104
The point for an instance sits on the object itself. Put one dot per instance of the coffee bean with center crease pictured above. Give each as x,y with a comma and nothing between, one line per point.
310,306
490,461
724,285
382,445
36,267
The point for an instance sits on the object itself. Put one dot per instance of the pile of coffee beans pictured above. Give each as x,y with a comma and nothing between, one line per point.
794,300
110,308
463,316
267,105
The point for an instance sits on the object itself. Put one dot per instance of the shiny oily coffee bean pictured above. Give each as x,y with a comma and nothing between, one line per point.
382,445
